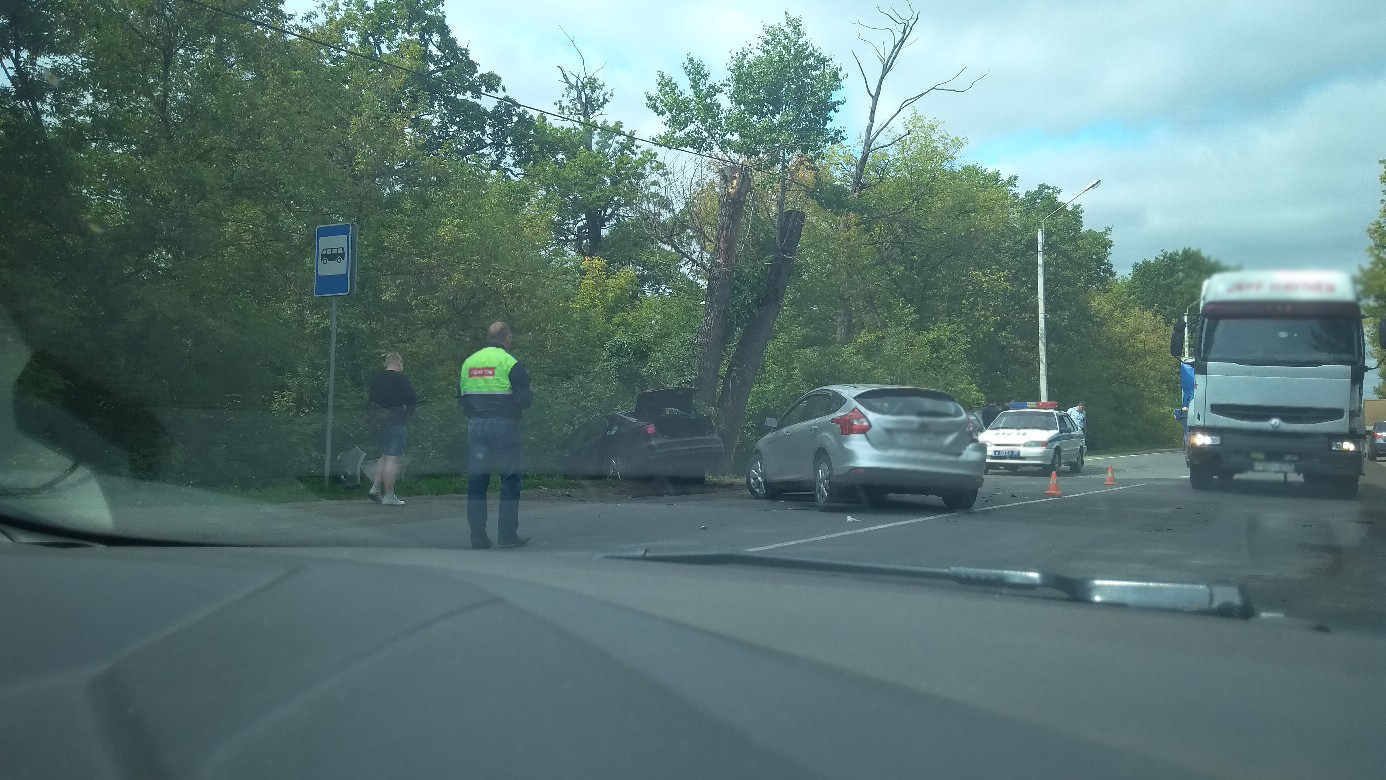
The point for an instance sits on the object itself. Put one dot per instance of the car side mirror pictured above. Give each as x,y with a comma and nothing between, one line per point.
772,423
1176,339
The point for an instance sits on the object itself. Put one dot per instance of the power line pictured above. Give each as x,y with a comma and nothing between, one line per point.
501,98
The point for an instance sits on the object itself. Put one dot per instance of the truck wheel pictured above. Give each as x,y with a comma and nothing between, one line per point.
1201,477
1345,487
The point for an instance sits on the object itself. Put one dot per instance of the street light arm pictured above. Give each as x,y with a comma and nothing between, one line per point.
1093,185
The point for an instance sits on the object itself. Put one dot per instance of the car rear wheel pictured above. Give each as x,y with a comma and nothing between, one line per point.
824,492
960,499
756,483
1056,462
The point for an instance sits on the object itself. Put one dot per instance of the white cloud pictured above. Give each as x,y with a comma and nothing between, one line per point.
1250,129
1293,188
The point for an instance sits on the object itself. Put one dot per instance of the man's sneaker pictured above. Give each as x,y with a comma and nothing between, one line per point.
391,500
373,495
514,541
481,543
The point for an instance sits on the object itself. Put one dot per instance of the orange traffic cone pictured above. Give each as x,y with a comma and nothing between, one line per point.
1053,485
1111,478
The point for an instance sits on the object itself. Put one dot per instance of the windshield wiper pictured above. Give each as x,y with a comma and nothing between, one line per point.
1219,599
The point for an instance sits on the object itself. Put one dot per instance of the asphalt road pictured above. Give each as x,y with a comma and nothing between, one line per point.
1300,552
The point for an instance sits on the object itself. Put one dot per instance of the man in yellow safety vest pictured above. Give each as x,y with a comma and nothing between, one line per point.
494,388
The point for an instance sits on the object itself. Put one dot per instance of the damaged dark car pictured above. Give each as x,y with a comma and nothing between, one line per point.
664,436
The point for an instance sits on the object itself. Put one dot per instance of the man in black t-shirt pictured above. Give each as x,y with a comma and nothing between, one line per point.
389,405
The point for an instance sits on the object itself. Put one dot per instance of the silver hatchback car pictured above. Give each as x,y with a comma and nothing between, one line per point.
866,441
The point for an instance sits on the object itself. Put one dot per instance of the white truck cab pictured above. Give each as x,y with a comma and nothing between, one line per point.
1279,360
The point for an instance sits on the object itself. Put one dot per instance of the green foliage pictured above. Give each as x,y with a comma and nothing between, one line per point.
777,101
1372,279
1170,282
1131,381
166,167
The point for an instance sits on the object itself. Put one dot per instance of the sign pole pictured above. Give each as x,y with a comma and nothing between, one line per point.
331,395
334,254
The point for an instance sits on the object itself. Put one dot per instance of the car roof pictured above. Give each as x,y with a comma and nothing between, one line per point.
852,390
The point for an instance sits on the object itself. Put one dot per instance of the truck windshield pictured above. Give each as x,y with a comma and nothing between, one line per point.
1282,340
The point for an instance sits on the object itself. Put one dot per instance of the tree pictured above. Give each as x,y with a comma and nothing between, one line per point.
592,176
1372,279
1172,280
773,112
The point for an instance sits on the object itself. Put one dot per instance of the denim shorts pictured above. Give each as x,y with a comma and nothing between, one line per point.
392,440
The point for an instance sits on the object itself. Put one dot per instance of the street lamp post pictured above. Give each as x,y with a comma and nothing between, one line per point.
1043,337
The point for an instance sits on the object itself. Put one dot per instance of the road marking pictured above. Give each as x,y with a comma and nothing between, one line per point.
936,517
1134,455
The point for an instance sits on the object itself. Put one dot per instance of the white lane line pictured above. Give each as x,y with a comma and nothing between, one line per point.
1134,455
936,517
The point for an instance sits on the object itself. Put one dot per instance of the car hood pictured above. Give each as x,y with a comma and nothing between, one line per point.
1014,435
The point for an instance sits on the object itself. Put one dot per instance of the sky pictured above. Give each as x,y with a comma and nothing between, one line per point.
1252,131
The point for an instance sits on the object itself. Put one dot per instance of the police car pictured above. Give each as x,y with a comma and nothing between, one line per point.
1034,434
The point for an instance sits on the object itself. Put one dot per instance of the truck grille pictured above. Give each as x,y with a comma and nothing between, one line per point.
1293,415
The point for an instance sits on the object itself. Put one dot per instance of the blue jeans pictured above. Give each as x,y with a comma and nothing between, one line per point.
493,446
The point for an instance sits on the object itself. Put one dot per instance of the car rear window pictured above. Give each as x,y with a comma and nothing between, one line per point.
906,402
1381,426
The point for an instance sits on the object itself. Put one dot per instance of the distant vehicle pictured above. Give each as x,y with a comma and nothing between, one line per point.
1037,436
867,441
663,437
1377,445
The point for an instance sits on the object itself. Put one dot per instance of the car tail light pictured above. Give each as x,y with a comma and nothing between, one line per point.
650,429
1379,434
852,422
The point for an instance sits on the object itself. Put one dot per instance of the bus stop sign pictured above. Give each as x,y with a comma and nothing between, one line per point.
335,260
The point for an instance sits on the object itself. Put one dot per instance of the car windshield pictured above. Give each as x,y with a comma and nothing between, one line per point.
1042,421
719,275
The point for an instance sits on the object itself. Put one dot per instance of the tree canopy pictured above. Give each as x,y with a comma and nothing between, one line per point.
167,165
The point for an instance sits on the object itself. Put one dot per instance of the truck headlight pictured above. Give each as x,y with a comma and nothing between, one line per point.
1346,445
1201,439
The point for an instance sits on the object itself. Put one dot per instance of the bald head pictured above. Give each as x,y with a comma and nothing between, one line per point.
498,333
393,362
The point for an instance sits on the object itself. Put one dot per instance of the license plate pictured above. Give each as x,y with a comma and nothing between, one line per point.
1005,453
910,439
1278,468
